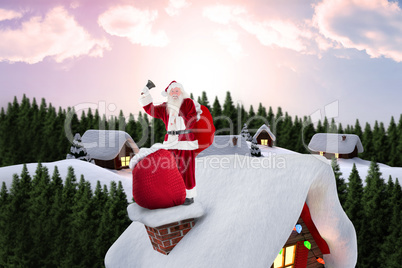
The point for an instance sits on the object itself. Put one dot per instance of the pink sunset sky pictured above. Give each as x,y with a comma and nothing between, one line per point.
301,55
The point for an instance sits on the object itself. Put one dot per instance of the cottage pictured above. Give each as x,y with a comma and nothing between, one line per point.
249,209
227,145
111,149
264,136
336,145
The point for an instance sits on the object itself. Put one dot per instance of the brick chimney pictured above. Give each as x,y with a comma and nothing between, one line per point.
343,138
164,238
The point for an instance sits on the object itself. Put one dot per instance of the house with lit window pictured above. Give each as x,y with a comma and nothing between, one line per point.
276,211
111,149
333,145
264,136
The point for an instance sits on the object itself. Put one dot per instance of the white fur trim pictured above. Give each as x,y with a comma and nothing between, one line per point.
191,193
181,145
145,99
198,109
144,152
145,90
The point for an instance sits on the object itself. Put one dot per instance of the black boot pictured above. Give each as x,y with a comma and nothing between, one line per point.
188,201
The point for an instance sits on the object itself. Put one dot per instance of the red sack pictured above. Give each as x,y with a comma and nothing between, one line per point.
204,130
157,183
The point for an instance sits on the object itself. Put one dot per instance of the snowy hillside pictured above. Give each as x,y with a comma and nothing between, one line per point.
91,172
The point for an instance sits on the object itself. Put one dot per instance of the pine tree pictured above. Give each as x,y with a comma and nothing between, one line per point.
243,115
367,143
66,208
270,116
82,235
308,132
399,144
357,129
374,227
296,136
255,150
320,127
131,127
78,150
39,217
340,182
217,116
18,238
378,142
158,131
56,215
141,131
4,203
354,204
230,115
392,143
204,100
252,121
245,134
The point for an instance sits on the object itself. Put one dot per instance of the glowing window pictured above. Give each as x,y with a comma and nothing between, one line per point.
286,258
336,155
125,160
264,142
322,153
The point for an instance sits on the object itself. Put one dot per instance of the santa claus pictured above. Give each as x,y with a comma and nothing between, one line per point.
179,114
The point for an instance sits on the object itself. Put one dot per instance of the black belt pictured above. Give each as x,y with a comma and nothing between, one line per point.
178,132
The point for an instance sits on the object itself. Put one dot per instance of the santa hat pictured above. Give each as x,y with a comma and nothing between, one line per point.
172,84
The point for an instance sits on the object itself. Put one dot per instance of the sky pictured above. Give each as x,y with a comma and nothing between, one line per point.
336,58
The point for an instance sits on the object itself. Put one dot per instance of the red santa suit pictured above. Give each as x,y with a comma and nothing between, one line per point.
183,144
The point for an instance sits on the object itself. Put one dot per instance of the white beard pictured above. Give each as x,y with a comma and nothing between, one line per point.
173,105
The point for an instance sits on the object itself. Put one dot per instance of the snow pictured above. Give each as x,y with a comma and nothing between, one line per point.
91,172
251,206
159,217
334,143
223,145
106,144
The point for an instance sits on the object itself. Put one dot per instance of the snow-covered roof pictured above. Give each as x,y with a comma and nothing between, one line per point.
223,145
267,129
250,208
335,143
106,144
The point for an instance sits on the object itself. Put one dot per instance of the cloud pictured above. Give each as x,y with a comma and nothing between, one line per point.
371,25
230,39
134,24
9,14
56,35
175,6
270,32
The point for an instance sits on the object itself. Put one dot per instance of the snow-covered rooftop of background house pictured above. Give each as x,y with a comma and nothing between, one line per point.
106,144
250,208
335,143
267,129
223,145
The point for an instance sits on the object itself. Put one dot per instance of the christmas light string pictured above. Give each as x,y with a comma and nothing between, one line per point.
298,228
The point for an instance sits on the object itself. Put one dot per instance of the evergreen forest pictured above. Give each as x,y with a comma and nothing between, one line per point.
45,223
